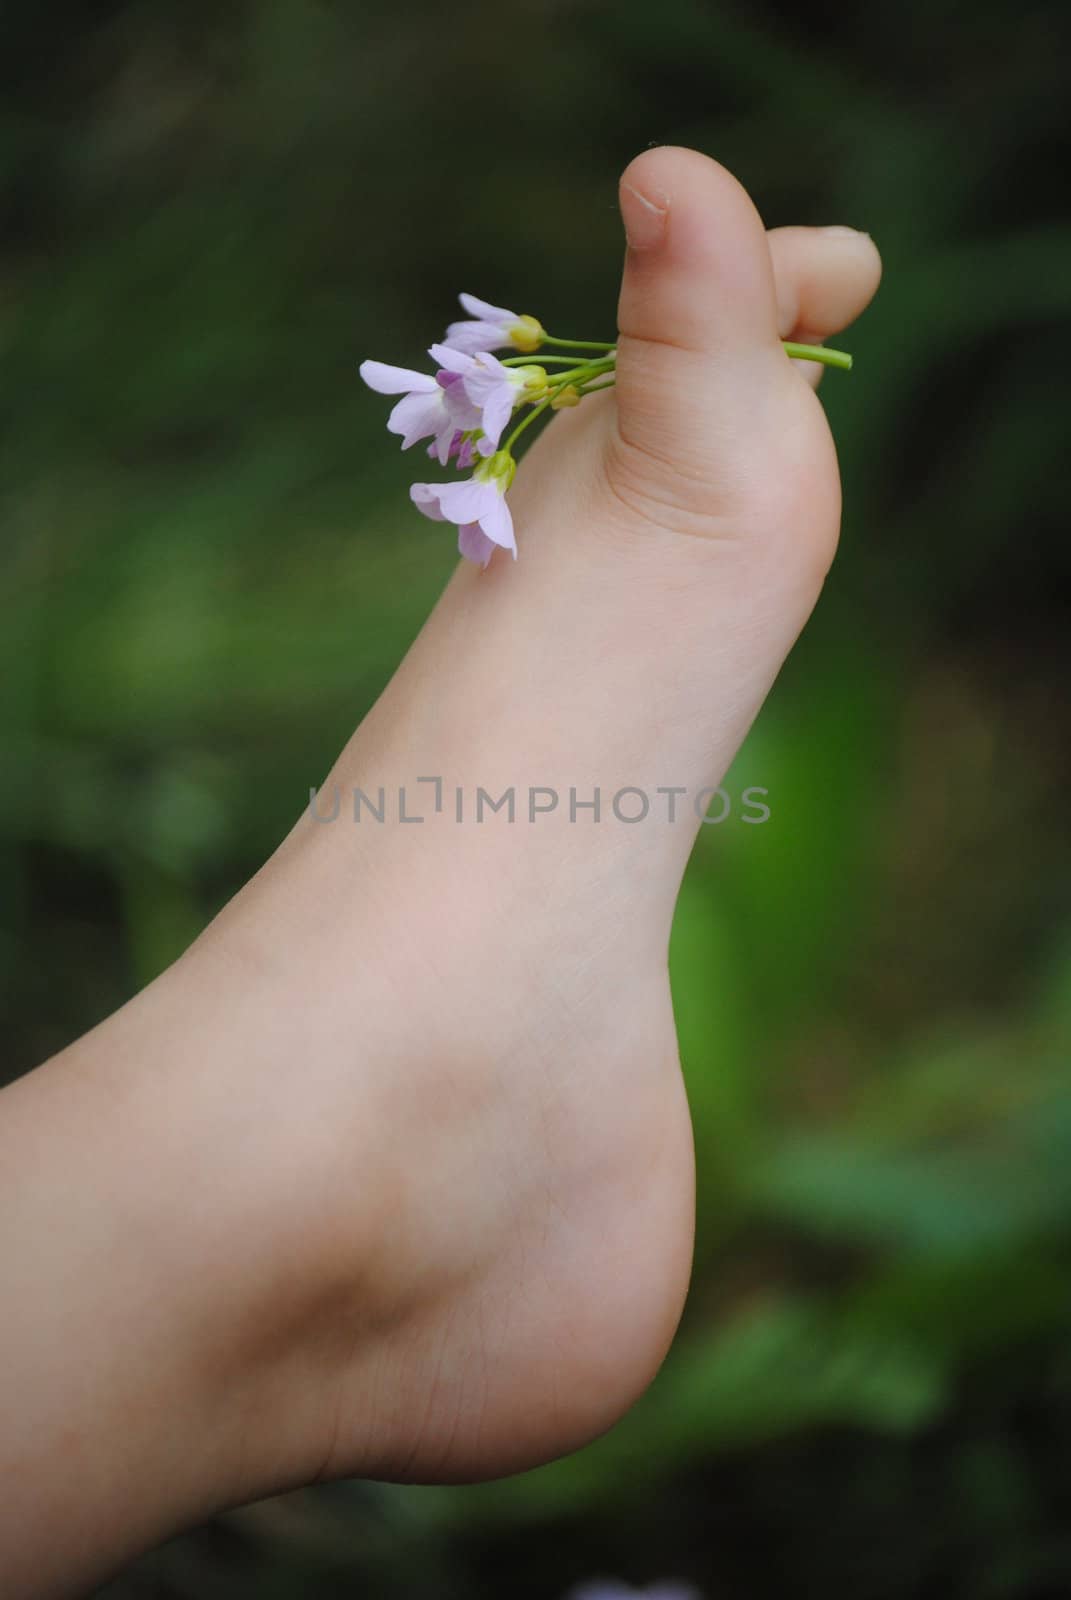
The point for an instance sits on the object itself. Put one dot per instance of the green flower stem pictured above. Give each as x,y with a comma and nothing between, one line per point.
798,352
590,376
519,429
583,371
817,352
539,360
580,375
587,377
579,344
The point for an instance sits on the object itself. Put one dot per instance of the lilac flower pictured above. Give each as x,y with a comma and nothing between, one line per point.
430,409
460,451
477,505
493,327
493,389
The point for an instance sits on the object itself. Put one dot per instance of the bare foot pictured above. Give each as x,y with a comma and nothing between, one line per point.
527,1115
417,1194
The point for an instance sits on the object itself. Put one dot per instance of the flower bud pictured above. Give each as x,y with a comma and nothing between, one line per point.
535,382
497,468
527,334
569,396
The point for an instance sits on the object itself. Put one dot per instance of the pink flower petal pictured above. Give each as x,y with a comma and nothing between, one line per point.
482,381
465,415
486,312
488,369
474,337
468,500
497,523
451,359
447,443
417,417
498,408
425,496
385,379
474,544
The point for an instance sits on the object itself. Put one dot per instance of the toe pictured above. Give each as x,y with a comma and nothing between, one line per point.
824,278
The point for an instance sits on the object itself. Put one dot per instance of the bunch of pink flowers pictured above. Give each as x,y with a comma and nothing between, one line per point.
466,405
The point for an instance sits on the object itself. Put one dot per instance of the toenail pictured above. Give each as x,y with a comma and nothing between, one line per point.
644,217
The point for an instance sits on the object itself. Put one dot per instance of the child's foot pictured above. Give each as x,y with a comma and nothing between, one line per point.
487,1047
424,1101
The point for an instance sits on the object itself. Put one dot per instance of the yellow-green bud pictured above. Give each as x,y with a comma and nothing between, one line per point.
569,396
535,382
527,334
500,466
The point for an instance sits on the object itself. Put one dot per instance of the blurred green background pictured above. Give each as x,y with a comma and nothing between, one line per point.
211,213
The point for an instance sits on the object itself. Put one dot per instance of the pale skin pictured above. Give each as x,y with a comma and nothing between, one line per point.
391,1174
